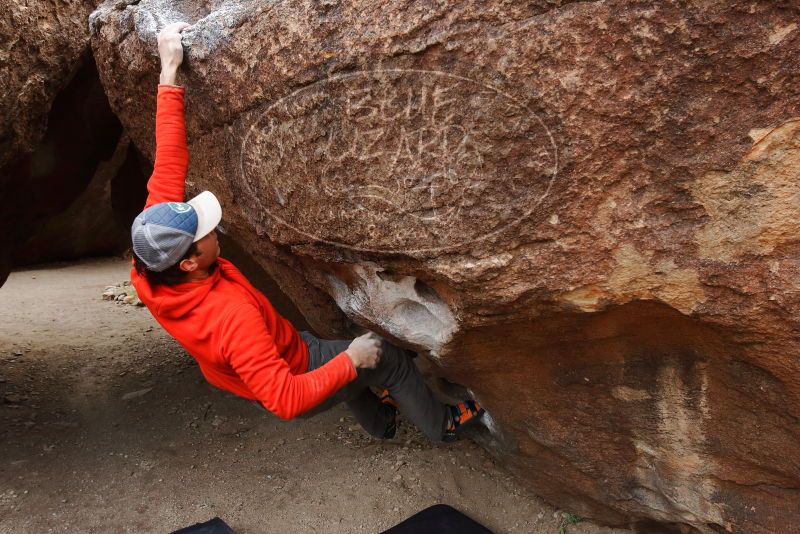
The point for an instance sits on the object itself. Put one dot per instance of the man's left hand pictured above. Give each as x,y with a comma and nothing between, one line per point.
170,50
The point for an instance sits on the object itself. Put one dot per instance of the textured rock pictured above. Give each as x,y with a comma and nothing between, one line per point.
41,44
57,140
584,212
89,226
71,196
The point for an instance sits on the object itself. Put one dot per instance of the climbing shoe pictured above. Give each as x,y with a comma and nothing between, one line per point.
460,416
386,398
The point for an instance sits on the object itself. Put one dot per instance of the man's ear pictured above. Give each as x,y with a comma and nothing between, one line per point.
188,265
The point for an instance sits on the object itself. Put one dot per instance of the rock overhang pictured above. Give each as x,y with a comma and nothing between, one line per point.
328,133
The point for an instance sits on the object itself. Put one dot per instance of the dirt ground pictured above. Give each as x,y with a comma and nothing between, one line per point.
108,426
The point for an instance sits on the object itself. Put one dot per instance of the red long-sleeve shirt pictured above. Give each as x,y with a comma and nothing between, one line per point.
240,342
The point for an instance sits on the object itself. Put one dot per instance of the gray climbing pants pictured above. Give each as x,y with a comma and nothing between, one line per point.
396,372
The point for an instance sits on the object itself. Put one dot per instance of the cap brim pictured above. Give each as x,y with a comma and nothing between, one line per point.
209,213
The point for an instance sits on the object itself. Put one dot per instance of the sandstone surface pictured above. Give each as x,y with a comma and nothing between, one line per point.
41,44
585,212
60,144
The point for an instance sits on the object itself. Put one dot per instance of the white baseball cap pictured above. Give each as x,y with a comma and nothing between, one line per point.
163,233
209,213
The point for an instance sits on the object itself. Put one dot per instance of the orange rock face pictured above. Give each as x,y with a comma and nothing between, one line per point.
587,213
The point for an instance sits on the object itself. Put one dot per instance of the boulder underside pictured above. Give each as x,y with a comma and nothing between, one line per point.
586,213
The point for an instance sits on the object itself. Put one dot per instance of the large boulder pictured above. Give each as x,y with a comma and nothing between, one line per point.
60,144
42,45
587,213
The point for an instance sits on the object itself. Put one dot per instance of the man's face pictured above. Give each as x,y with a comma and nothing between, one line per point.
207,251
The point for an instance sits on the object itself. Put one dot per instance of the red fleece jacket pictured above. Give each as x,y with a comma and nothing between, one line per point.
240,342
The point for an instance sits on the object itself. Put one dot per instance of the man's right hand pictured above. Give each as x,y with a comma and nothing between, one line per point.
170,50
365,351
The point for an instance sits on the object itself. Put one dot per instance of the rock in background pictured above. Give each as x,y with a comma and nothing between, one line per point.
60,143
42,45
585,212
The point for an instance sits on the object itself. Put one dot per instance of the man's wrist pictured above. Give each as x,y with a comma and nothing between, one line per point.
352,360
168,76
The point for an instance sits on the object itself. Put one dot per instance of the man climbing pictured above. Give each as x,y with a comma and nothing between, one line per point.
240,342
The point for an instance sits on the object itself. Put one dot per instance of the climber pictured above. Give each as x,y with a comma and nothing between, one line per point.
240,342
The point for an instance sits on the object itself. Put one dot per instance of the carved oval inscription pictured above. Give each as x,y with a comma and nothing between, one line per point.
397,160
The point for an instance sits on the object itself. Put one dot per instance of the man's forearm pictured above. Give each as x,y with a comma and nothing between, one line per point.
167,182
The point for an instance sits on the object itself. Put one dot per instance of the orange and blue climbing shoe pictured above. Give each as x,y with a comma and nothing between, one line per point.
460,416
386,398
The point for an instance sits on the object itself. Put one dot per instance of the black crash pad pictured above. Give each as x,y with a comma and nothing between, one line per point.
213,526
438,519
